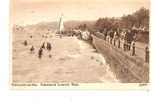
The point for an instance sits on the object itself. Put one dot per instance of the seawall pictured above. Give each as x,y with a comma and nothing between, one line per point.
128,69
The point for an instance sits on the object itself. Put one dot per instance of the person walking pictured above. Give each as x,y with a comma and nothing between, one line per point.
146,54
133,48
115,38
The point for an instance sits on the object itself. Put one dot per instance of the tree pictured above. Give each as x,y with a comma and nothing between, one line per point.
138,18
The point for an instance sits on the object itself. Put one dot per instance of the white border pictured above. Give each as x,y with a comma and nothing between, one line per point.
6,94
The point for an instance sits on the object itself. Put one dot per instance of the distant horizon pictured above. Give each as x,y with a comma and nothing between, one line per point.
57,22
75,20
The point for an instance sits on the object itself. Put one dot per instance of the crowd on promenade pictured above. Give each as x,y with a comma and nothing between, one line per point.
125,39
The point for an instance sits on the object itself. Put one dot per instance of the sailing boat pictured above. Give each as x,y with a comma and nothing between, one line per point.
61,25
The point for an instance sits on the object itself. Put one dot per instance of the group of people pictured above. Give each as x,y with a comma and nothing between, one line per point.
44,46
125,37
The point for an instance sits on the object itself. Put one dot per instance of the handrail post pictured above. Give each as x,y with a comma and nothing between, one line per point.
124,45
119,43
133,48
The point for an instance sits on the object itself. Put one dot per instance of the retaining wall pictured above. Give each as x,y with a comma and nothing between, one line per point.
128,69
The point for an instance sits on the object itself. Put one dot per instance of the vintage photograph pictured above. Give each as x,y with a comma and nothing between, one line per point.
79,41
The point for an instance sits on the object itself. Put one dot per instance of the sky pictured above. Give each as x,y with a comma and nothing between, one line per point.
25,12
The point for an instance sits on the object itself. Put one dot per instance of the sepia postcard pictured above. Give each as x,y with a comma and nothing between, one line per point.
79,44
